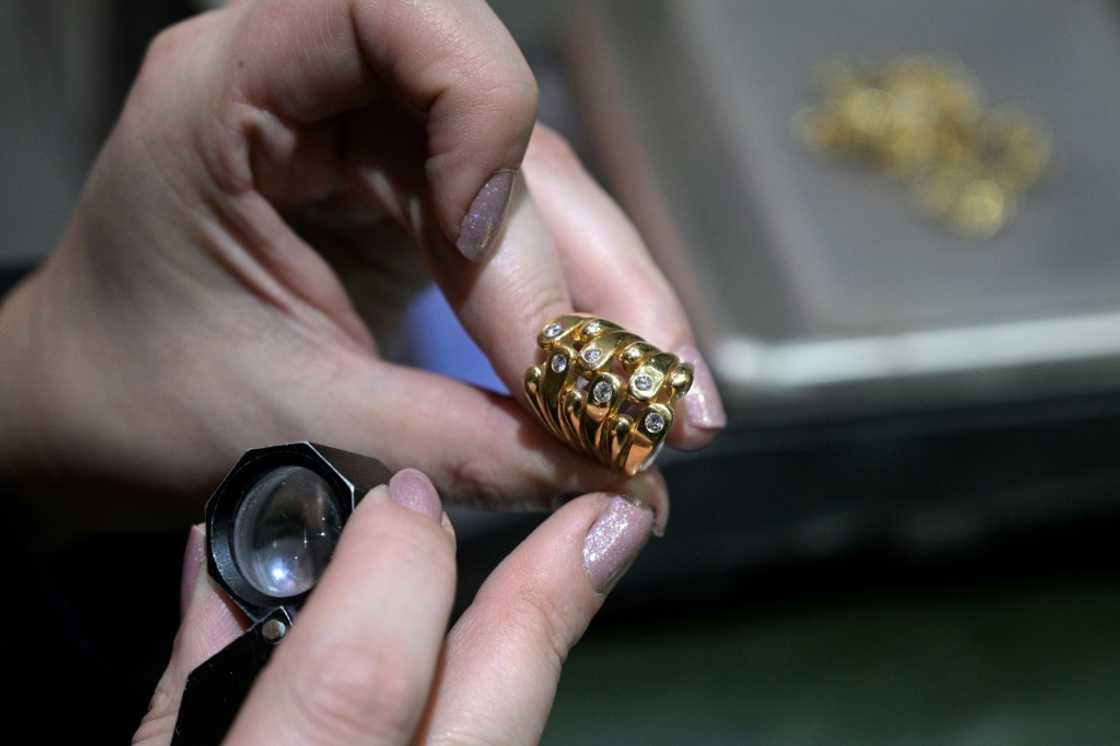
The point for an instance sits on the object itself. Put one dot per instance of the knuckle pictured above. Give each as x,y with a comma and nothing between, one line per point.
353,693
180,95
160,60
163,46
475,478
494,101
534,616
522,98
514,97
154,97
502,86
175,42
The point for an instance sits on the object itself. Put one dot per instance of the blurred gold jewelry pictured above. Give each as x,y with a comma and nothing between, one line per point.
605,391
925,121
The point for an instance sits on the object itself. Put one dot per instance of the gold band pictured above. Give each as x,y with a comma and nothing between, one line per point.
605,391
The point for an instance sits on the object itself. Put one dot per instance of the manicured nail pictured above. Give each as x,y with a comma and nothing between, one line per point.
194,559
702,405
483,221
614,541
412,489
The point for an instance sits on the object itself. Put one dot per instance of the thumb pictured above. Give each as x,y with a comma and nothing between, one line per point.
210,622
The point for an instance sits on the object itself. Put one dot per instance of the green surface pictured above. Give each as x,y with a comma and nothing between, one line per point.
1030,665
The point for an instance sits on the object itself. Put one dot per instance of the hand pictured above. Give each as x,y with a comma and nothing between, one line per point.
369,658
271,153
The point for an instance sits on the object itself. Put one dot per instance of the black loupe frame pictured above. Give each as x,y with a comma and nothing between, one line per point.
214,691
348,475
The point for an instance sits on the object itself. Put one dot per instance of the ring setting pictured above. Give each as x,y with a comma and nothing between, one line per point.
605,391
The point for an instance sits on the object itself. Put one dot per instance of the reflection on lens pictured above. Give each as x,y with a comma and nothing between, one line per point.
285,531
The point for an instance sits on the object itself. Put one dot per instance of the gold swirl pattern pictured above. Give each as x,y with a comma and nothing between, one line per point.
605,391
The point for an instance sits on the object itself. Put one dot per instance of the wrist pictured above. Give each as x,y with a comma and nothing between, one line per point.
48,382
62,421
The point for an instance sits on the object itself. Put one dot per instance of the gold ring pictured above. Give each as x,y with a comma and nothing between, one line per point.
605,391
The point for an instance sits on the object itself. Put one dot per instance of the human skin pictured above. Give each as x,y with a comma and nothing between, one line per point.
370,658
271,155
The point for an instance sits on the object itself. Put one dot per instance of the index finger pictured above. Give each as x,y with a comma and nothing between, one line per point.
454,62
505,652
568,246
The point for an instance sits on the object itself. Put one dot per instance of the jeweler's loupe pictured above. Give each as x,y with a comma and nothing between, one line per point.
271,528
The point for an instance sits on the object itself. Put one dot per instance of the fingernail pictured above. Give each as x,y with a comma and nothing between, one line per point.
412,489
615,540
194,559
702,405
484,219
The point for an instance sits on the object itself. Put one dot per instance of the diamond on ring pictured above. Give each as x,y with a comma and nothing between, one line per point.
559,363
602,392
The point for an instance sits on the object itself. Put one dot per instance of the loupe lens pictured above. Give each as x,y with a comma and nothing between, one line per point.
285,531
